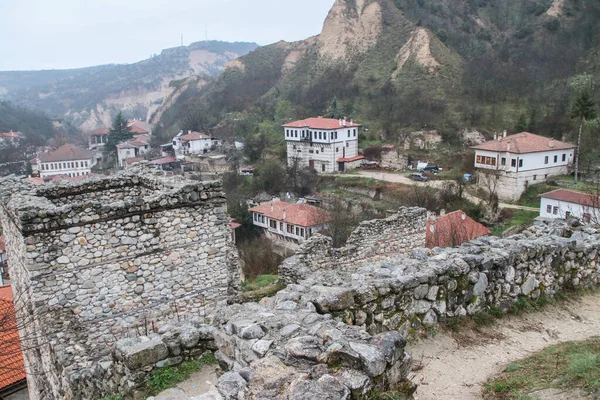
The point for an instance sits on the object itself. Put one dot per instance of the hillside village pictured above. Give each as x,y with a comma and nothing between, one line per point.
290,227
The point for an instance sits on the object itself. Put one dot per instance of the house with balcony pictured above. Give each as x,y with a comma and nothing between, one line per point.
563,204
68,160
509,164
324,144
288,222
194,143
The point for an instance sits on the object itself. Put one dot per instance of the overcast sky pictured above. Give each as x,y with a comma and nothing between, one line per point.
54,34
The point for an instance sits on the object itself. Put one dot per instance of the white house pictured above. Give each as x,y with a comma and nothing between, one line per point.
67,160
290,222
509,164
133,148
194,143
562,203
325,144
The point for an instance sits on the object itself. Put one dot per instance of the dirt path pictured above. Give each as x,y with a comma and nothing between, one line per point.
456,366
398,178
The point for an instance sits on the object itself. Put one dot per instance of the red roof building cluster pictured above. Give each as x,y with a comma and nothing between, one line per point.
12,366
569,196
321,123
297,214
453,229
523,142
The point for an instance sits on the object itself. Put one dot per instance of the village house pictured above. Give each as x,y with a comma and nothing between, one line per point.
194,143
99,137
67,160
562,203
289,222
324,144
452,229
13,378
134,148
11,137
509,164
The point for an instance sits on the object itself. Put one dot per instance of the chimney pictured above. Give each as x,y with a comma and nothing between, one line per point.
442,212
504,134
496,136
508,147
464,216
344,121
284,214
272,207
189,132
551,143
340,122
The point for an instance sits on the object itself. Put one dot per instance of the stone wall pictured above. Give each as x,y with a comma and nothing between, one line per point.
396,234
99,260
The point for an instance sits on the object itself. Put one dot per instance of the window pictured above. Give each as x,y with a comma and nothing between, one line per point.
302,232
317,151
331,135
294,147
337,149
76,164
520,163
323,167
564,157
296,134
355,133
348,132
567,214
311,151
555,210
290,228
513,163
587,218
281,226
534,177
347,144
549,209
86,163
297,231
555,159
273,224
486,160
320,135
503,161
336,136
478,161
546,160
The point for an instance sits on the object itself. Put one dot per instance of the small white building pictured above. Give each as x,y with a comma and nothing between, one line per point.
290,222
511,163
194,143
10,138
134,148
68,160
325,144
562,203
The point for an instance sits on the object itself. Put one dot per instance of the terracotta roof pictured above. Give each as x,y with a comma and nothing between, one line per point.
67,152
297,214
12,367
164,160
10,134
35,181
101,131
2,244
321,123
453,229
194,136
570,196
235,225
134,143
351,159
524,142
139,127
133,160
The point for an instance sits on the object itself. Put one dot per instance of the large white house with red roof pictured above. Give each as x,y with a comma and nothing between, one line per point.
562,203
325,144
508,164
68,160
193,143
291,222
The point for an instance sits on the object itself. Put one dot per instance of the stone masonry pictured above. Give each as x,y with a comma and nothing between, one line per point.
111,258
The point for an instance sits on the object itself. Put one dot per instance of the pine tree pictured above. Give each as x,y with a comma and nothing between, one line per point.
119,133
584,109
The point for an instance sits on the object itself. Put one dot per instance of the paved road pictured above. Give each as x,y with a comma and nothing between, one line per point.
399,178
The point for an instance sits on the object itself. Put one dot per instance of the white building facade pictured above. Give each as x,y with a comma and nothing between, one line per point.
133,148
67,160
194,143
563,204
324,144
509,164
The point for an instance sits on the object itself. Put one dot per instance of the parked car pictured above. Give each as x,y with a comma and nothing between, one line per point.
432,168
419,177
247,171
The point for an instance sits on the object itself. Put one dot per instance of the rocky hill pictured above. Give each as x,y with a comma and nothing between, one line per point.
401,64
89,97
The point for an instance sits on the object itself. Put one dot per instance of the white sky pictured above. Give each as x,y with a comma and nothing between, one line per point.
54,34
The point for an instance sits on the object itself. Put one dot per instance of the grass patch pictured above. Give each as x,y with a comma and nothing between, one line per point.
565,366
519,217
259,282
168,377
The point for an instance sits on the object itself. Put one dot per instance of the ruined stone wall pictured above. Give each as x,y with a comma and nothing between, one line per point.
396,234
102,259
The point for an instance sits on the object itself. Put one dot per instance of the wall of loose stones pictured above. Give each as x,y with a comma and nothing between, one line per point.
397,234
98,271
411,293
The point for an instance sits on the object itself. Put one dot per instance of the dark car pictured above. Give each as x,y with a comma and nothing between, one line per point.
431,168
248,170
419,177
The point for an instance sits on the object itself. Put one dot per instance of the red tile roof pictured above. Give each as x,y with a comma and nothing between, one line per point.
67,152
453,229
2,244
10,134
351,159
194,136
570,196
12,367
101,131
296,214
321,123
524,142
136,143
133,160
35,181
139,127
164,160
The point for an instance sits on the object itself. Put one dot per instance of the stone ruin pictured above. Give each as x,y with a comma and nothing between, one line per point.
337,331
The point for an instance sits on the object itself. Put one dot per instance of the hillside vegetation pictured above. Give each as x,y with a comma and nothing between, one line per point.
398,65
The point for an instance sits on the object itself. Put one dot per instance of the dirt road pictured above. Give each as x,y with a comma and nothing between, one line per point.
456,366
